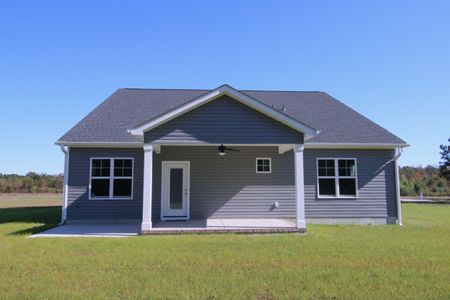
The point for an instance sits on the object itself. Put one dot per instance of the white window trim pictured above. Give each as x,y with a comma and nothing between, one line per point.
111,178
270,165
336,178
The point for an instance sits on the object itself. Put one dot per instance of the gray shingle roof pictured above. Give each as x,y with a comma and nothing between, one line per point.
128,108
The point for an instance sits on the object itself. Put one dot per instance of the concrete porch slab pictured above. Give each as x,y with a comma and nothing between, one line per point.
224,226
91,230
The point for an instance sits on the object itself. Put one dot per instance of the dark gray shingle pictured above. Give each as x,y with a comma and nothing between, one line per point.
127,108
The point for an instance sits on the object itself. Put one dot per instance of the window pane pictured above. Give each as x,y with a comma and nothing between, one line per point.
105,167
347,187
128,171
100,167
100,188
322,163
96,172
330,167
327,187
263,165
122,187
322,171
118,163
122,167
118,171
127,163
176,188
96,163
326,167
346,167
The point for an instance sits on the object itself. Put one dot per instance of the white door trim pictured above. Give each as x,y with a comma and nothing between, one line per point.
164,196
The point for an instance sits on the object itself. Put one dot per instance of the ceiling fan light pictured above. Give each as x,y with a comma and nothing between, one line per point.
222,153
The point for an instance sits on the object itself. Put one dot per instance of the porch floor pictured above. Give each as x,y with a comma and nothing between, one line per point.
223,226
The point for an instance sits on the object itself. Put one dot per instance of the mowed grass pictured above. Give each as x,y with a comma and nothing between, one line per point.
329,262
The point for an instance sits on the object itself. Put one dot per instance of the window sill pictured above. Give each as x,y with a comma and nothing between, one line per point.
110,199
337,198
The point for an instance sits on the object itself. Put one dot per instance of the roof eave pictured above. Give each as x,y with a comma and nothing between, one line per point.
355,145
100,144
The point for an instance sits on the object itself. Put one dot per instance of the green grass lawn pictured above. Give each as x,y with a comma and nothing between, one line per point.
329,262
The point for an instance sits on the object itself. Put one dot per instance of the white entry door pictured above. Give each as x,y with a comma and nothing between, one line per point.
175,190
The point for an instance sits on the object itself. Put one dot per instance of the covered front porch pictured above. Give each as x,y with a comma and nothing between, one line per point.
195,189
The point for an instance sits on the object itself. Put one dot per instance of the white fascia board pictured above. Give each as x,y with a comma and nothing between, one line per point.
220,91
353,146
101,144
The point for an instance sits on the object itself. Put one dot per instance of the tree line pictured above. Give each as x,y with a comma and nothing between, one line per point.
31,183
428,180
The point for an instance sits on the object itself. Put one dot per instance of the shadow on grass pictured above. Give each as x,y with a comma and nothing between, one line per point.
48,217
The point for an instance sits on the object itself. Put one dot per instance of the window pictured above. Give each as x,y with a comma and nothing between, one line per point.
263,165
111,178
336,178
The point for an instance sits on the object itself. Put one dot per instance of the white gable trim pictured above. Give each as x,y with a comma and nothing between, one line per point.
220,91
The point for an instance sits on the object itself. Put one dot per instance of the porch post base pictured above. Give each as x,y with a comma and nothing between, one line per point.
301,224
146,226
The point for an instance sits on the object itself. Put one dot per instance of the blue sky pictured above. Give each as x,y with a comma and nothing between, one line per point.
389,60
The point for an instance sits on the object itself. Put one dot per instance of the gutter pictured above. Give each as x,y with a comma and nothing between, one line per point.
398,153
65,150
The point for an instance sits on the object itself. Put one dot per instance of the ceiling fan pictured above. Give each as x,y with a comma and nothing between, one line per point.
222,149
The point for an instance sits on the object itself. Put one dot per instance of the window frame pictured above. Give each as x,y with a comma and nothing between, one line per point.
336,178
270,165
111,178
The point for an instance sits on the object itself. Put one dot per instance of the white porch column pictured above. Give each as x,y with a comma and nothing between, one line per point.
299,186
65,150
148,188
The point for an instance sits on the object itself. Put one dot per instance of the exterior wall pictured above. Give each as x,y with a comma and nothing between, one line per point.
223,121
228,186
376,202
81,208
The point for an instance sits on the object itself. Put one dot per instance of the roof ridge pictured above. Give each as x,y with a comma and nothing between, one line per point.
188,89
282,91
162,89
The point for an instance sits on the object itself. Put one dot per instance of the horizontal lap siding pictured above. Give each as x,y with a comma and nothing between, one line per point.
223,121
376,183
228,186
80,207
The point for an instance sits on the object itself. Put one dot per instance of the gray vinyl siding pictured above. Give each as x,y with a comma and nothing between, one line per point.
376,186
228,186
79,205
223,121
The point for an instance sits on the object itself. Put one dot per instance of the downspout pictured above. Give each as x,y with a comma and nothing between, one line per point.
398,153
65,150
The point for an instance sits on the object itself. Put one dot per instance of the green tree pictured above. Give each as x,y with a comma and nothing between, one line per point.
444,165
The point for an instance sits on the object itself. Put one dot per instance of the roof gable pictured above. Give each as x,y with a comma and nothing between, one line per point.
216,94
223,121
128,108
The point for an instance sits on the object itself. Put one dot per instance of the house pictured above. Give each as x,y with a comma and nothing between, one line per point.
156,155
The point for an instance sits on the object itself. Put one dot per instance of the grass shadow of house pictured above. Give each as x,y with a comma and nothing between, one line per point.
42,217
